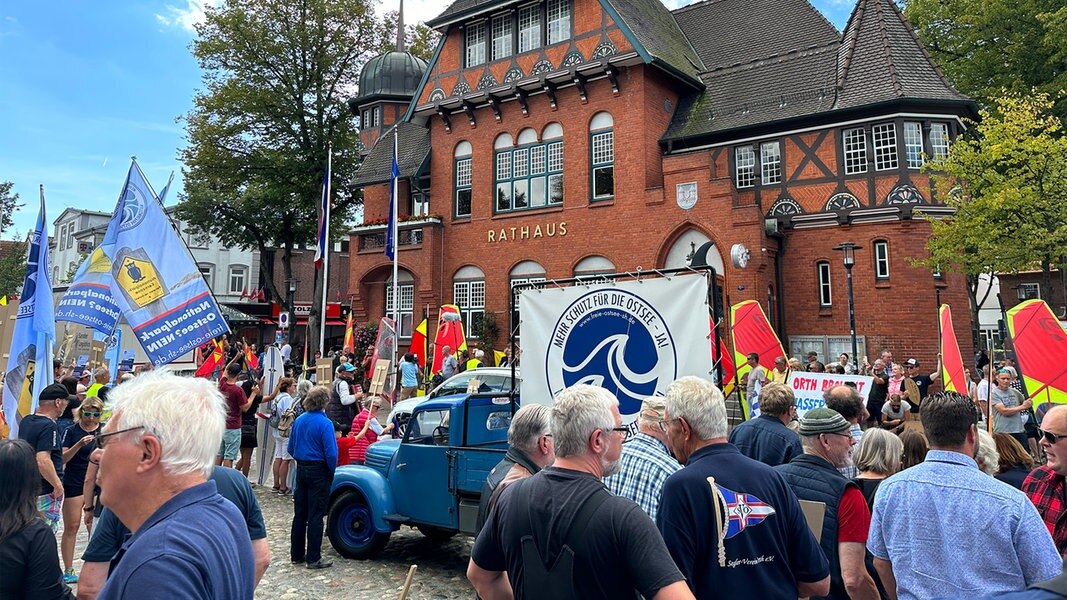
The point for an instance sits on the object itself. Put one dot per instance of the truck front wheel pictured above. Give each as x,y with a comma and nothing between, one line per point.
350,528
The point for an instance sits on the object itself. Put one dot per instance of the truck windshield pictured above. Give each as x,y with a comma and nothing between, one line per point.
421,428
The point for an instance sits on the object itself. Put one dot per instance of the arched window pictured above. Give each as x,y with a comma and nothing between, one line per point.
531,174
405,287
593,266
602,154
468,293
462,186
525,272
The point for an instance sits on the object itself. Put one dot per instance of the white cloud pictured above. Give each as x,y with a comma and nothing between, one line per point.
186,18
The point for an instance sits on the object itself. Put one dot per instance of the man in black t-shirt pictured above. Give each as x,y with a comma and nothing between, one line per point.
923,382
576,540
41,431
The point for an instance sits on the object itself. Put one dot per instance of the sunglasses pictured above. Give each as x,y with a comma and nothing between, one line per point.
91,415
1050,437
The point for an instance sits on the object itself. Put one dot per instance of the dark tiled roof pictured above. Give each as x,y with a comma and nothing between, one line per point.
775,60
457,8
791,85
729,32
414,147
882,59
659,33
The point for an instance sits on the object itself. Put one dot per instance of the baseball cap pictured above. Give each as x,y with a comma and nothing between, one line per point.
346,367
822,420
57,391
911,362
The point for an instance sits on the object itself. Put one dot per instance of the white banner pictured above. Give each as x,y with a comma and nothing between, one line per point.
632,338
809,387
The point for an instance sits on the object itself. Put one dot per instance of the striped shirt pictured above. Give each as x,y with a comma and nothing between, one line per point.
643,467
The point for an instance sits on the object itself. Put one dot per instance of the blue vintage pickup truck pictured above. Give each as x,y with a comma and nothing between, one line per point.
431,479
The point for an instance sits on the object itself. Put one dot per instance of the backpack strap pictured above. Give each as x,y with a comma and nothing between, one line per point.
555,580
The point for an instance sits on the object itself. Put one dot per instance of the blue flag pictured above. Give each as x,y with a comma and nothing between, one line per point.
89,300
29,365
390,240
324,217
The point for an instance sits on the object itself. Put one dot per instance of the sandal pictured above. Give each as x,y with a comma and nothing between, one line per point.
276,490
285,491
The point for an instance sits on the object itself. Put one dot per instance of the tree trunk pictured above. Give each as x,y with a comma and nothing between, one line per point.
1046,279
975,305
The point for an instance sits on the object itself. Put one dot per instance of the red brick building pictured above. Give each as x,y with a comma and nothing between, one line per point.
567,137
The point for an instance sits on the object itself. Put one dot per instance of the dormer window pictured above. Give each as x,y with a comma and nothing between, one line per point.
499,36
559,21
502,36
529,28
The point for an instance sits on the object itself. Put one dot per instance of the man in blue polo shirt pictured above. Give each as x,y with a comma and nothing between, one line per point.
313,445
767,438
158,451
732,525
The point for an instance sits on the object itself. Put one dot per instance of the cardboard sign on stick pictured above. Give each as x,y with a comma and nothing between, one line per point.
381,374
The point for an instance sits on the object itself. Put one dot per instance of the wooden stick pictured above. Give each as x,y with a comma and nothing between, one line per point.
407,581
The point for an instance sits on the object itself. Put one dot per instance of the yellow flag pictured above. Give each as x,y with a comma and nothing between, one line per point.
3,300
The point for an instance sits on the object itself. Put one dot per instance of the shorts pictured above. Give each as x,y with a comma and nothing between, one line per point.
231,441
52,510
249,440
408,392
281,451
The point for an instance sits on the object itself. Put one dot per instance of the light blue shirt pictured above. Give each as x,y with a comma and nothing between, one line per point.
952,531
409,374
644,465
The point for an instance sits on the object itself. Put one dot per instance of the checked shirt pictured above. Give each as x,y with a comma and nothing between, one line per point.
644,465
1046,490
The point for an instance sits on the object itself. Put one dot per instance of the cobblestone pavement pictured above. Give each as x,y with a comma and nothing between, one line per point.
440,575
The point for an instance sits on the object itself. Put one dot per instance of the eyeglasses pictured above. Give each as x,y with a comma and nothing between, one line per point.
1050,437
100,439
91,415
847,435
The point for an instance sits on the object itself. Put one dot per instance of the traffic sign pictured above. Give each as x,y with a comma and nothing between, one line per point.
283,320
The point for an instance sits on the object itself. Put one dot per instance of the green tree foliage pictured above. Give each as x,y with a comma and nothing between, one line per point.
8,205
277,74
419,39
1008,183
985,46
12,267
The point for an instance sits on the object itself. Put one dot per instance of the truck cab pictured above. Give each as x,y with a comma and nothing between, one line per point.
430,479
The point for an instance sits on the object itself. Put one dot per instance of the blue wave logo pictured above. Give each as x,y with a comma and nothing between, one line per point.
134,207
612,339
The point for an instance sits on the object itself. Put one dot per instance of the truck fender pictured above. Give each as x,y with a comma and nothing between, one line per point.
374,488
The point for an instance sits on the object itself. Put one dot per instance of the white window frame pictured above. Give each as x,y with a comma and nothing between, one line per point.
237,274
913,144
208,271
602,153
407,305
475,42
469,296
829,347
529,28
770,163
744,167
1030,291
559,21
464,178
885,147
855,145
826,296
881,259
939,140
503,36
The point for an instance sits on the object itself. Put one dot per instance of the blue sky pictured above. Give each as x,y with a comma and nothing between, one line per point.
86,85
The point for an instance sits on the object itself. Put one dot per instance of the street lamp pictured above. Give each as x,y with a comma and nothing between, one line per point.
848,250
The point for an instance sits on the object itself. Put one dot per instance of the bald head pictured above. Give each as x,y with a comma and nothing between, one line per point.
1055,423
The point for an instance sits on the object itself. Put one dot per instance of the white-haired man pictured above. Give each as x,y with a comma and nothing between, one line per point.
529,451
733,526
158,452
560,533
646,461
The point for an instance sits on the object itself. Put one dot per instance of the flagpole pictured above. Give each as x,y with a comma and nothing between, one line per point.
396,253
325,255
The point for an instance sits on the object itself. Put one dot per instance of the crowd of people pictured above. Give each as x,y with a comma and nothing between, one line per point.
861,498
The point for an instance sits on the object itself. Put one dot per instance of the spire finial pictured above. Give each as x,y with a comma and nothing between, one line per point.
400,33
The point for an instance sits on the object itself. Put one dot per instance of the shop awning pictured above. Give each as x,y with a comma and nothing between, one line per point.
236,317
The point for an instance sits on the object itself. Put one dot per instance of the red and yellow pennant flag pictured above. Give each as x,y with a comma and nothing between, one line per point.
952,372
752,332
350,339
418,343
1040,350
723,353
449,333
212,362
251,360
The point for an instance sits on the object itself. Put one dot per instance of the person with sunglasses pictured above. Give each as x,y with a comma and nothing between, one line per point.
78,443
1045,485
